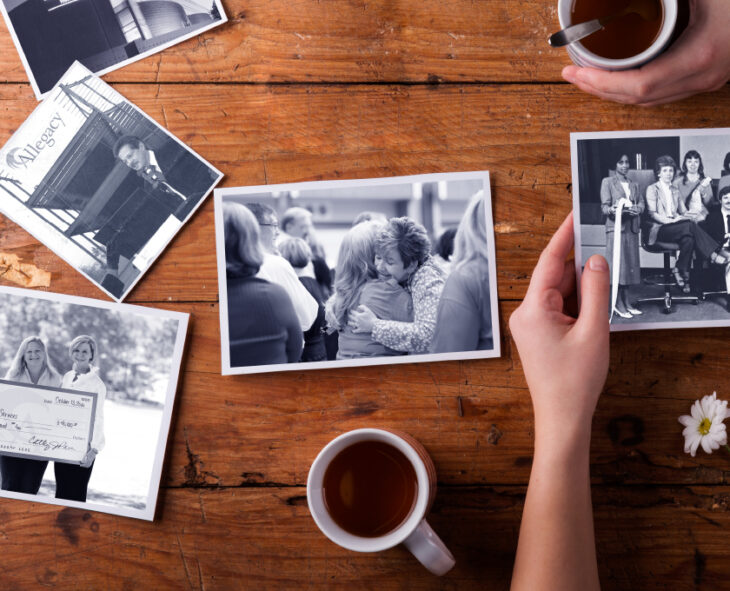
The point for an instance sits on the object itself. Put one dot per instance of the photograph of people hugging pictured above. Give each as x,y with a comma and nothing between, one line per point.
356,272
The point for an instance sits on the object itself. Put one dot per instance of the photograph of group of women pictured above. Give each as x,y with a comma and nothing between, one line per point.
374,271
656,204
129,357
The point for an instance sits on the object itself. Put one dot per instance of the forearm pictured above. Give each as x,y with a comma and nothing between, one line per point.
556,548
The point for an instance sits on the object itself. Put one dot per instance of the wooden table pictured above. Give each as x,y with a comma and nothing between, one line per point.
302,90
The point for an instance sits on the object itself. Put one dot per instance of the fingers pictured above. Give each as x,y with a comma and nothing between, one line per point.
690,66
595,290
550,269
618,87
567,283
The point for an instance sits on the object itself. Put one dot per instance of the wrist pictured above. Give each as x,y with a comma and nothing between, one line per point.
562,435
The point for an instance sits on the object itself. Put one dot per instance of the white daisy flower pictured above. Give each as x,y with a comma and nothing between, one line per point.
705,426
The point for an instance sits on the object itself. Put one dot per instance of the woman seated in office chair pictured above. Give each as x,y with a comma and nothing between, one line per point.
667,220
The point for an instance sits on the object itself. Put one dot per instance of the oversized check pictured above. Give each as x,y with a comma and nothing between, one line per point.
45,423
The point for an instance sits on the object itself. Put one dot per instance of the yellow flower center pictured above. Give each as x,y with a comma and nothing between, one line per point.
704,426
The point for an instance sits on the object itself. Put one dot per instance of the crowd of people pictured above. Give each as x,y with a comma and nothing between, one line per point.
390,294
31,365
679,208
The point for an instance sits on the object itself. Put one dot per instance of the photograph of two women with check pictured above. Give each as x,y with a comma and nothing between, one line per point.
86,395
656,204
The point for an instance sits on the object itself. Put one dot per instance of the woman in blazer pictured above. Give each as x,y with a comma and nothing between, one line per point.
72,480
668,222
613,189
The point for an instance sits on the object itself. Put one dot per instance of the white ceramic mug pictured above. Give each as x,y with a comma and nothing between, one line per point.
414,532
582,57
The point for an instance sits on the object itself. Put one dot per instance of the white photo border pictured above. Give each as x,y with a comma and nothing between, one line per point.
220,194
182,318
31,76
575,137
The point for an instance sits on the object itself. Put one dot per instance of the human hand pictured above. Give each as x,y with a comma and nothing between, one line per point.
565,359
699,61
362,319
89,458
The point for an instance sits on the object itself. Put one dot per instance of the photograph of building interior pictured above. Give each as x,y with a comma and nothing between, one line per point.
100,34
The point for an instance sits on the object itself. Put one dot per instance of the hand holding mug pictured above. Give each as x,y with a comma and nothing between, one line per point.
699,61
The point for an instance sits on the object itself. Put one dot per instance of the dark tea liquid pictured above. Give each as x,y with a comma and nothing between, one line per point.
623,37
370,488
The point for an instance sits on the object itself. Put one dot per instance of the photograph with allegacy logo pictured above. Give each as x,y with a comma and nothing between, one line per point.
99,182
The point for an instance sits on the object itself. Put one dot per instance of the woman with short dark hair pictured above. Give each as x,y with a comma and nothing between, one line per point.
263,328
614,190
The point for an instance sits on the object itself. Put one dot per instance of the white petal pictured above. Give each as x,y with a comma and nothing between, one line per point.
705,443
707,405
687,420
690,431
694,445
696,411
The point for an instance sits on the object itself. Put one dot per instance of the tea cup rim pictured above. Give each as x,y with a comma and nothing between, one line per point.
315,496
586,57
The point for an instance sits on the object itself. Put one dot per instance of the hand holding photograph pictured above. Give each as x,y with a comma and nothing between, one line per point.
656,204
76,375
361,272
101,34
99,182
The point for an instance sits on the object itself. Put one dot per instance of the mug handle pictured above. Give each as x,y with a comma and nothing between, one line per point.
430,551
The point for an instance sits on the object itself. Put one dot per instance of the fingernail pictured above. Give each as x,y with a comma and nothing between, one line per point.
598,263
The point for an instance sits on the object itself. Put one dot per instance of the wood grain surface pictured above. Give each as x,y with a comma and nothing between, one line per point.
326,89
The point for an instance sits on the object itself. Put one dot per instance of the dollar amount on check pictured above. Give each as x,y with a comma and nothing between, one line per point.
45,423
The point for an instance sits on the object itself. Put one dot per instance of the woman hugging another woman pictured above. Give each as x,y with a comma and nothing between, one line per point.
357,282
404,250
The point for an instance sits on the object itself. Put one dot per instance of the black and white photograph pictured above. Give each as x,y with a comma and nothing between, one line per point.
656,205
99,182
361,272
103,35
86,395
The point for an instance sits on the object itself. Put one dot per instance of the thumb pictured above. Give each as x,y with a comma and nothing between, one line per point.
595,293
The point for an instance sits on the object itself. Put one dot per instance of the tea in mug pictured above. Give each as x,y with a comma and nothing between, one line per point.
624,37
370,488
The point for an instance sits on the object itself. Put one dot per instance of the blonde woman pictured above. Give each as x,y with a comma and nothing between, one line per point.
30,366
357,283
263,327
72,480
464,317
